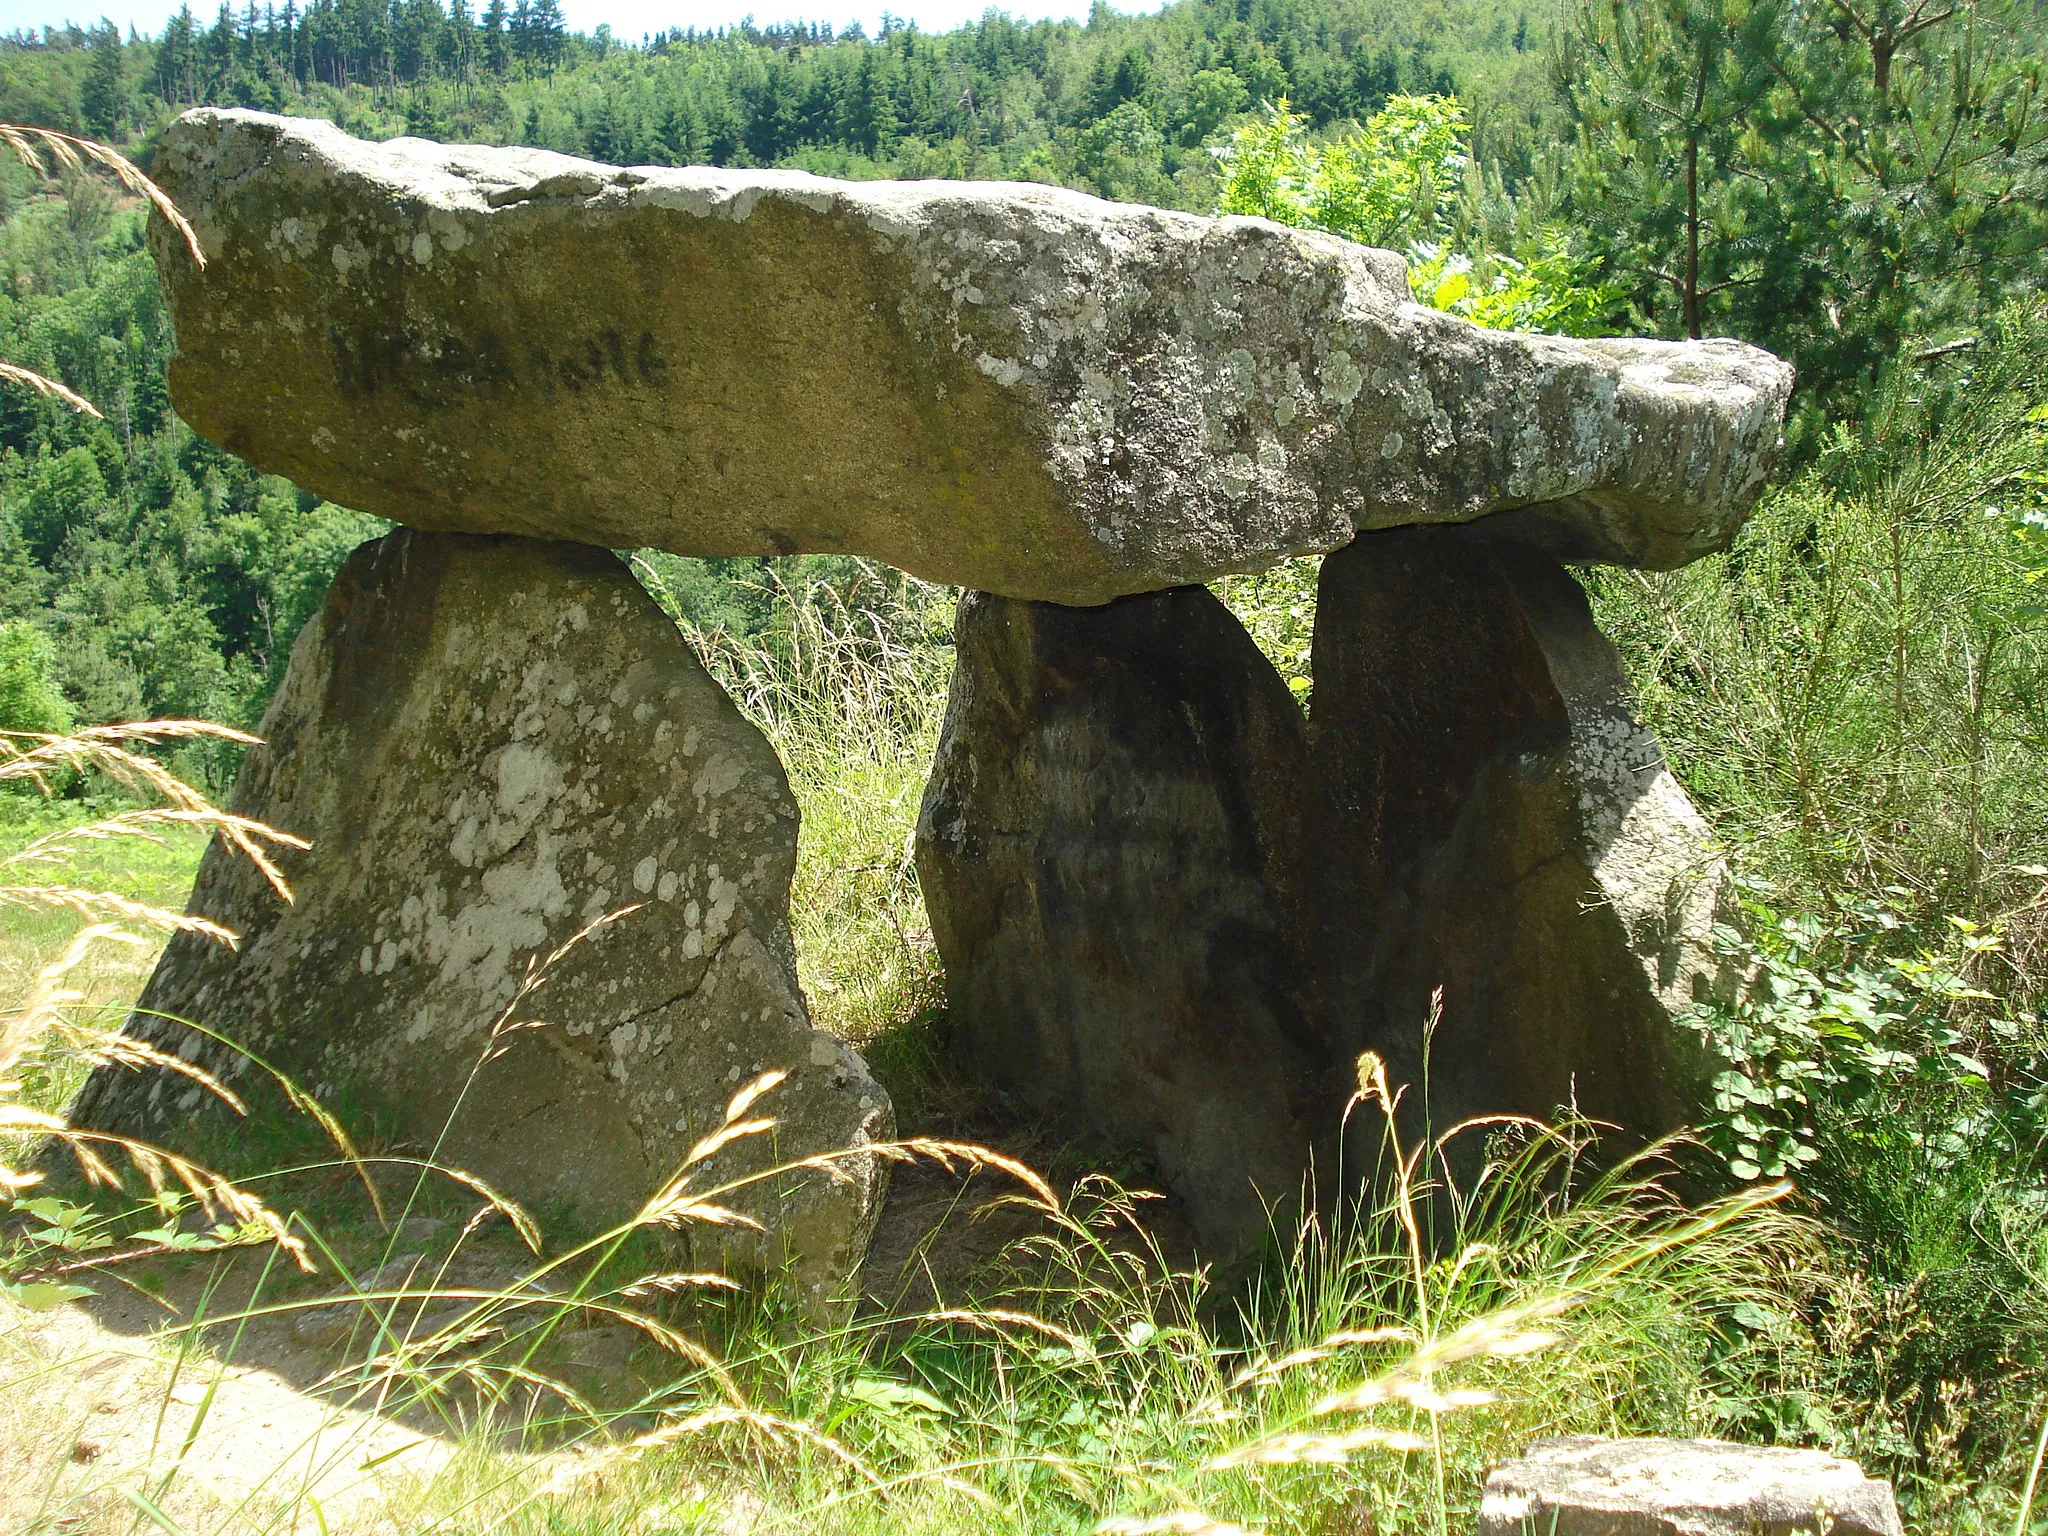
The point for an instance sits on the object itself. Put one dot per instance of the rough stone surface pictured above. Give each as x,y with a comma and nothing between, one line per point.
1107,850
491,742
1585,1486
1492,817
1015,388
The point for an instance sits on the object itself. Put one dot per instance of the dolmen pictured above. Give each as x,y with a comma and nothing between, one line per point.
1172,911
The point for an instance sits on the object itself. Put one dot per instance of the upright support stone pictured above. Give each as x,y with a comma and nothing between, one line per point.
1108,850
492,742
1493,818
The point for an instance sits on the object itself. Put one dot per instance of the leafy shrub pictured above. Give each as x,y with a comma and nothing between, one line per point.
1393,183
1278,610
1396,183
1553,290
1844,1022
30,699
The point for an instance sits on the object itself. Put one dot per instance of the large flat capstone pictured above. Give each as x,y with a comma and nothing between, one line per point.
1009,387
491,742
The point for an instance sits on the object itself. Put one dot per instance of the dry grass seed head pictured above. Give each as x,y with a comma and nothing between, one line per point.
72,153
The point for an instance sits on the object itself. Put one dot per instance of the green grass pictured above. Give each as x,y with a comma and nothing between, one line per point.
157,871
1087,1378
849,683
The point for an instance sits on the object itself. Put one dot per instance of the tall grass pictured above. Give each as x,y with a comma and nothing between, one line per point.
1092,1386
1854,693
1857,694
1832,656
849,682
1084,1381
46,1041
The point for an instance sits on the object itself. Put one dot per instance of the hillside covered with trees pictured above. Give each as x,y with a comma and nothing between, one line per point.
1856,694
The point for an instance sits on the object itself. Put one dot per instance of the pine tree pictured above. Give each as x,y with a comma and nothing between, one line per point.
219,51
1912,151
103,97
520,31
496,50
458,56
174,58
1664,91
548,33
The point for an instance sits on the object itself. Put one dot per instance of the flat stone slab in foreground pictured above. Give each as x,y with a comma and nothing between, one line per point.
1587,1486
1009,387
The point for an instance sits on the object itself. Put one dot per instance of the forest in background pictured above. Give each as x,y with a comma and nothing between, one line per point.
1857,694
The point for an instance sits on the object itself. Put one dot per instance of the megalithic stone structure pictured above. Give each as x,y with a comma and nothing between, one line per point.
1009,387
1167,914
491,743
1172,917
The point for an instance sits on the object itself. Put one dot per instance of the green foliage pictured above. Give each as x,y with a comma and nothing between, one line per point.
48,1234
1398,182
1278,610
1392,183
1855,695
1825,180
1661,90
1841,1024
29,697
1120,105
1855,692
1555,290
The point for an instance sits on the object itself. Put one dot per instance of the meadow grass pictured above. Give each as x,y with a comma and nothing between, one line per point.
156,872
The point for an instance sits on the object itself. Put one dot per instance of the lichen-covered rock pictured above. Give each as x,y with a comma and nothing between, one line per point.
491,742
1108,850
1587,1486
1015,388
1493,818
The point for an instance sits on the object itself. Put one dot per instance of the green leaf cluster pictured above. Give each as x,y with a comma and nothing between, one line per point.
1392,183
1842,1020
1400,182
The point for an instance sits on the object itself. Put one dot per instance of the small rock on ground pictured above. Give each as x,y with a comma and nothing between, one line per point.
1585,1485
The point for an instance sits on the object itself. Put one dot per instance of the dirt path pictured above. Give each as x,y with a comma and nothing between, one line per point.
253,1427
93,1416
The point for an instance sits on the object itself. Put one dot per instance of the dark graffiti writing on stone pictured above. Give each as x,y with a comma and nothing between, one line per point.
438,371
